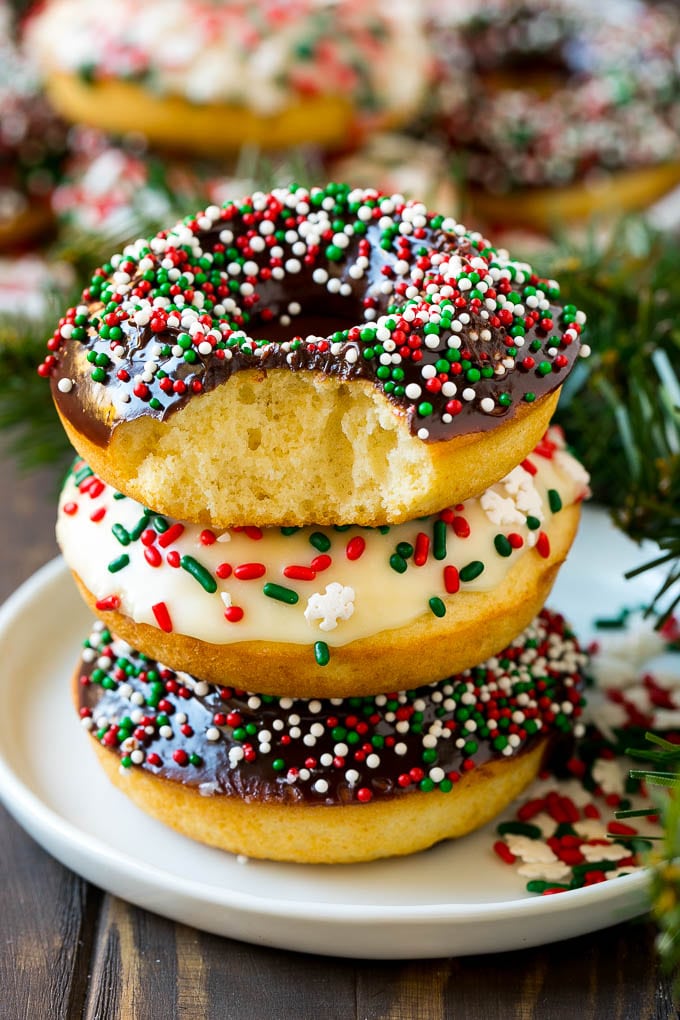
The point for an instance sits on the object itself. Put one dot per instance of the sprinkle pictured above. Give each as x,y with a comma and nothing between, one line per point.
170,535
121,534
437,606
471,571
249,571
281,594
543,545
199,572
439,539
110,602
320,541
160,611
321,653
118,564
554,500
355,548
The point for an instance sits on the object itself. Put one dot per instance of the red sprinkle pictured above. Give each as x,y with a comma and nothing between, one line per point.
296,573
160,611
619,829
98,515
249,571
70,509
171,535
180,756
233,614
223,570
422,549
355,548
460,527
451,580
528,466
504,852
152,556
207,537
543,545
110,602
321,562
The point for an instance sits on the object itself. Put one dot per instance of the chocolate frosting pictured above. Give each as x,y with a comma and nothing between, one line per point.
351,284
224,741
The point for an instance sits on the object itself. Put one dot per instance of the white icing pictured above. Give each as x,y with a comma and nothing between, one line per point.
380,597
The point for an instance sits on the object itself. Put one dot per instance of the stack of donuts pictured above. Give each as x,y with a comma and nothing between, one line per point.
317,510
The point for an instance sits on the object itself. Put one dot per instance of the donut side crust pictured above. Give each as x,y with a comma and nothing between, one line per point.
320,834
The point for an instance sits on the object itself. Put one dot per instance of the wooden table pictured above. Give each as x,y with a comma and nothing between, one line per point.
67,949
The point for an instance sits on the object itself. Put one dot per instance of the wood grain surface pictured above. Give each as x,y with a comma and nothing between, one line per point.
69,950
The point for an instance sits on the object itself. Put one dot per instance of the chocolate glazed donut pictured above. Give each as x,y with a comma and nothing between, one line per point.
330,780
301,329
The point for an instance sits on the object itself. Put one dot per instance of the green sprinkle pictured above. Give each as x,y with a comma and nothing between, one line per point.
118,564
199,573
555,500
278,764
439,539
139,527
405,549
320,541
160,524
503,547
195,759
533,523
398,563
529,397
437,606
289,530
537,885
121,534
519,829
321,653
471,570
281,594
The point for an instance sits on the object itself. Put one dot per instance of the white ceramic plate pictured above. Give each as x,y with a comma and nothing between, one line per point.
455,899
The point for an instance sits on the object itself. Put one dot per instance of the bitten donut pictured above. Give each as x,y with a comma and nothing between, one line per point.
322,611
208,78
561,109
329,781
331,356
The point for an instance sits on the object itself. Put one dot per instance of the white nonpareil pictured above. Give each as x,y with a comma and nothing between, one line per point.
336,604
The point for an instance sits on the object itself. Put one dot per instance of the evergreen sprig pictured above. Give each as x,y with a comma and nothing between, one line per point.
621,407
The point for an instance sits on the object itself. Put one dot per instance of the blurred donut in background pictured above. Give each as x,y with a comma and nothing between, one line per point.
569,107
32,145
207,78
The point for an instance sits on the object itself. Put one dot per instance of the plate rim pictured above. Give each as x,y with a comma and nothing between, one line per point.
44,822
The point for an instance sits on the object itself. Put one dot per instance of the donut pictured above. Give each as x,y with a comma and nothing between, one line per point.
32,145
208,78
323,356
109,186
327,611
560,110
329,781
